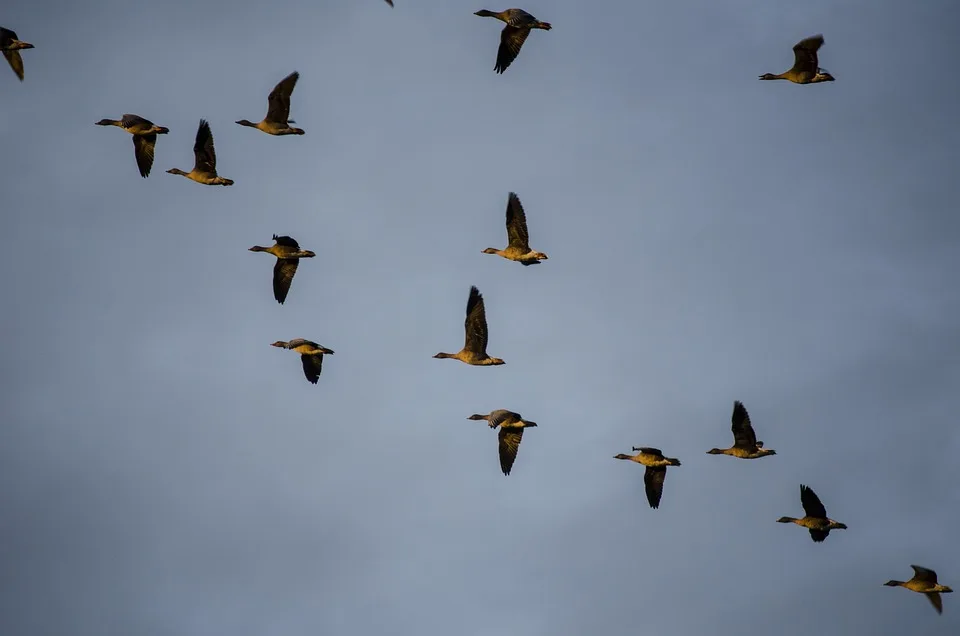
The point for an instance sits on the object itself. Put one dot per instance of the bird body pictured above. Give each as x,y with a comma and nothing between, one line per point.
276,121
205,160
11,46
511,434
518,248
518,26
144,134
474,351
815,516
288,254
806,65
655,472
311,356
745,444
924,581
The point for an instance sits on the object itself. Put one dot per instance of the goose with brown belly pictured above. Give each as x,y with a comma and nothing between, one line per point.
806,65
518,238
511,434
288,254
311,356
204,160
815,516
655,472
144,134
278,109
11,46
745,444
518,26
924,581
474,351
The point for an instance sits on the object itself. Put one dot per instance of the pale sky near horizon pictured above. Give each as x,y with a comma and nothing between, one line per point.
712,237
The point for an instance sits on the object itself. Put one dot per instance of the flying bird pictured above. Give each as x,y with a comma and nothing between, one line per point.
518,239
655,472
288,254
205,160
519,23
11,48
144,134
276,121
745,444
815,516
924,581
806,67
474,350
511,434
311,356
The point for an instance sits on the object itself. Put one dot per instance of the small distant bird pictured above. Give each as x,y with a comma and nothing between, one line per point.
518,248
144,134
288,255
815,516
806,68
311,355
519,23
278,109
390,2
205,160
11,48
924,581
511,434
475,330
655,473
745,444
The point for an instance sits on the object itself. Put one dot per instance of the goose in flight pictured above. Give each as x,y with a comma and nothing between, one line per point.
474,350
518,239
311,356
745,444
205,160
514,34
144,134
924,581
655,472
806,67
511,434
815,516
288,254
278,109
11,47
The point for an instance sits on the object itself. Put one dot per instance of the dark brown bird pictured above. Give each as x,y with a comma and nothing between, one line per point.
924,581
518,238
276,121
311,356
11,48
288,255
511,434
806,67
519,23
474,350
655,472
745,444
815,518
144,134
204,160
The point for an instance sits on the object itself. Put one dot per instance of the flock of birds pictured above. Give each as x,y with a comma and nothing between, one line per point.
519,24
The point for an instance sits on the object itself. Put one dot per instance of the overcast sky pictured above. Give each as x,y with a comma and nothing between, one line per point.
164,471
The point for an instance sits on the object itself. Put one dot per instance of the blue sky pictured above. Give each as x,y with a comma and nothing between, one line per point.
163,470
